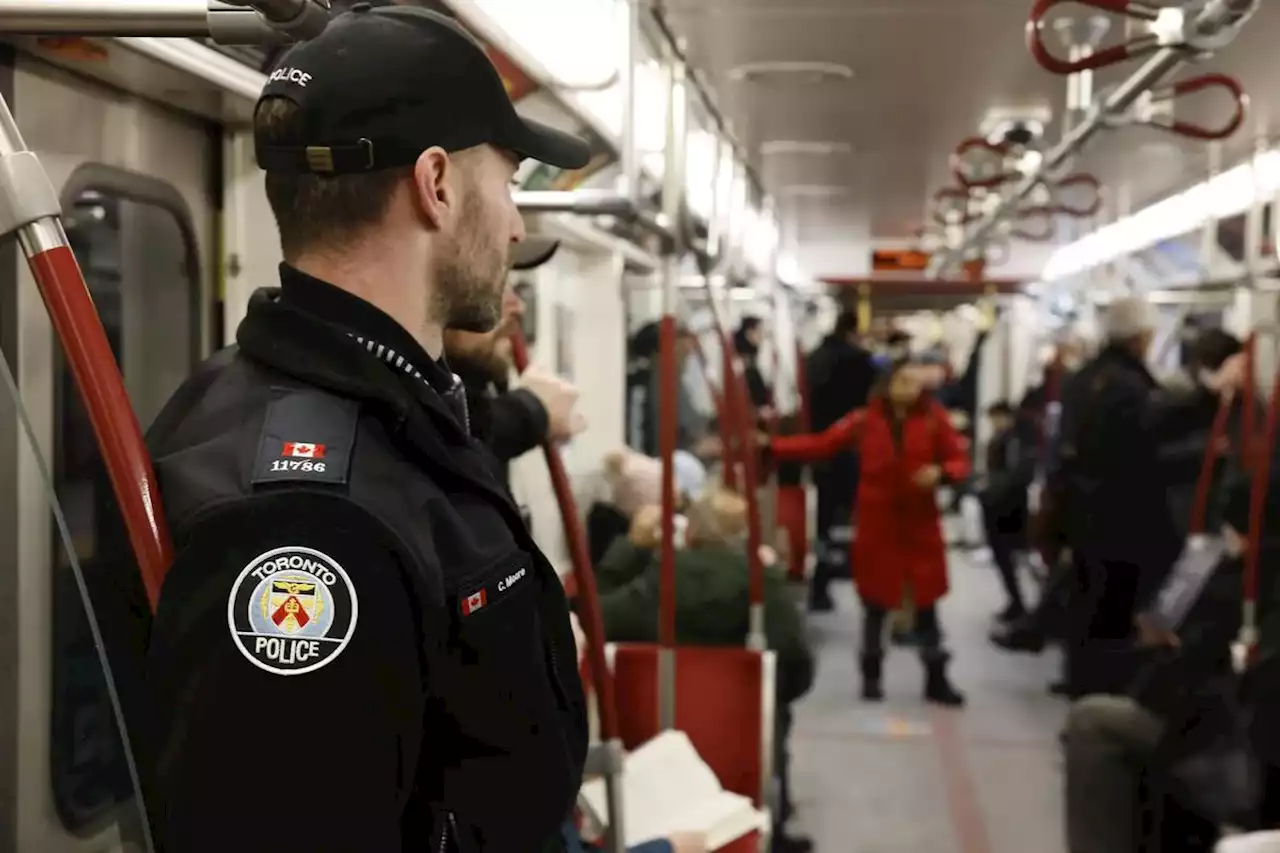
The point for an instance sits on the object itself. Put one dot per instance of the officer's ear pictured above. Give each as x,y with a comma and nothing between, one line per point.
434,182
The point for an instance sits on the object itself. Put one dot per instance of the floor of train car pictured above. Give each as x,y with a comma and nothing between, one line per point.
902,777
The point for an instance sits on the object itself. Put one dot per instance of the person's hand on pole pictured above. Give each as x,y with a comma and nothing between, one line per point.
559,397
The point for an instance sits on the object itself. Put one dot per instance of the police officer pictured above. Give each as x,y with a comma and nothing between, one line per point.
358,646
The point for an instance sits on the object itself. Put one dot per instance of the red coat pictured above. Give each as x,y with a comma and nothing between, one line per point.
899,539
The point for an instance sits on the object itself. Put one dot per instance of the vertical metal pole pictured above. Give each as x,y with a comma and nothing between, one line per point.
714,230
629,166
1209,230
672,197
1253,236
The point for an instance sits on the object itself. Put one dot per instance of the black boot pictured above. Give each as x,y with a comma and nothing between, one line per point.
820,597
1013,613
937,688
1023,636
784,843
872,664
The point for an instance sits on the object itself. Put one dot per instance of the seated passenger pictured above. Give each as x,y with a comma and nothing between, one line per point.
634,481
908,448
711,607
1113,742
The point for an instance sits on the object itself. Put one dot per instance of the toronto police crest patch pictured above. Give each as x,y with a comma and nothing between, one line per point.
292,610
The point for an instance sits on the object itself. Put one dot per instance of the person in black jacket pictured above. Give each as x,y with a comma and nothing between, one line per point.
693,429
511,422
840,376
1121,531
746,342
352,593
1003,496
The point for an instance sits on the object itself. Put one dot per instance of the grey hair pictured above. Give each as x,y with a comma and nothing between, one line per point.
1127,318
712,523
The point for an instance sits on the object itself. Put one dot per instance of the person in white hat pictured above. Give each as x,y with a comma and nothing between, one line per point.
1120,528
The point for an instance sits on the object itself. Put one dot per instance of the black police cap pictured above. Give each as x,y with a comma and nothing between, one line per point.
381,85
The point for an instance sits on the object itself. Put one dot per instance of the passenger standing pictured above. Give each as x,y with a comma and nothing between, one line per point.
908,448
692,426
351,584
1003,496
840,374
746,341
1119,525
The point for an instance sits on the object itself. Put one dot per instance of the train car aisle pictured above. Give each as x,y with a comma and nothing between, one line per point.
903,777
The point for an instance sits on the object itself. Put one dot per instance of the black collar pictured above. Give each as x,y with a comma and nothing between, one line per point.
1122,357
375,330
316,349
393,344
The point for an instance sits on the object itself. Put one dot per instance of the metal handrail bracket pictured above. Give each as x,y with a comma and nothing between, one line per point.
1213,26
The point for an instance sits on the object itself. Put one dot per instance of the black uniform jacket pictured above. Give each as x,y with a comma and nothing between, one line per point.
359,648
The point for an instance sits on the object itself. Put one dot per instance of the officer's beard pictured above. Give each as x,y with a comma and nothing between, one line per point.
470,282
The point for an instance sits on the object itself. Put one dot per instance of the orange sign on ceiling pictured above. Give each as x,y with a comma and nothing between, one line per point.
898,260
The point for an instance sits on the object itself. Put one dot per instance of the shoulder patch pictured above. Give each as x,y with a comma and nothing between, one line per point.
292,610
306,437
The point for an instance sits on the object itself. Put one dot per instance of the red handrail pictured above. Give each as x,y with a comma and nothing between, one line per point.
723,425
1078,180
977,143
731,453
1204,481
1136,47
942,195
1249,405
583,573
744,417
1258,488
97,377
1046,215
1191,85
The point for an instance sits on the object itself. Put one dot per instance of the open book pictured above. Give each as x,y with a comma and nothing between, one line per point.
1251,842
668,788
1186,582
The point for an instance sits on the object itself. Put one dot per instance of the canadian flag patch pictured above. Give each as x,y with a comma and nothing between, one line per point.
303,450
474,602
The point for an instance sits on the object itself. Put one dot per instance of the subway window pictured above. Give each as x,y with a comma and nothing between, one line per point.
139,262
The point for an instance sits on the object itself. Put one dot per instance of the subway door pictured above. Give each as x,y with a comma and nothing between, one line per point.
137,184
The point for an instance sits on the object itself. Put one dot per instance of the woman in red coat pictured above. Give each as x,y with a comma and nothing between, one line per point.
908,447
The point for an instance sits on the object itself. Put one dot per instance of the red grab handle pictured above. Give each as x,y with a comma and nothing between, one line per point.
1239,103
1085,211
964,155
1132,49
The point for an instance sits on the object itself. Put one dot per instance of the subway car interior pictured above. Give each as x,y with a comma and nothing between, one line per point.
904,334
